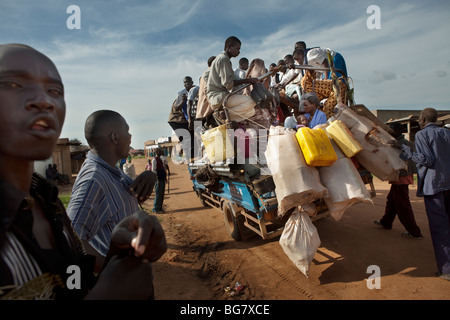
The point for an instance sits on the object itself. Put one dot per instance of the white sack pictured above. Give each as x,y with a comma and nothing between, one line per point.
300,240
296,183
240,107
344,185
379,158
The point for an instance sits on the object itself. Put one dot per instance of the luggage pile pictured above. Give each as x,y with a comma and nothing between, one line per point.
318,163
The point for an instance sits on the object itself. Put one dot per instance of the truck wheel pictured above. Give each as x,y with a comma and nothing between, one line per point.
202,199
232,223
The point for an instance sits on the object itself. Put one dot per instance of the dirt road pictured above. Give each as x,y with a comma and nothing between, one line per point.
203,262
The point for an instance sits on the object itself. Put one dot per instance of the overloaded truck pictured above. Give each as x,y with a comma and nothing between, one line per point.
259,196
246,196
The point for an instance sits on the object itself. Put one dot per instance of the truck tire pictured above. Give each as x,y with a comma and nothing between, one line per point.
202,199
233,224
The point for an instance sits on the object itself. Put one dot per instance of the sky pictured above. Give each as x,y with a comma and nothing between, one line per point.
131,56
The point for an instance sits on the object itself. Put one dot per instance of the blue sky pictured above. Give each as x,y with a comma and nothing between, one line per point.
131,56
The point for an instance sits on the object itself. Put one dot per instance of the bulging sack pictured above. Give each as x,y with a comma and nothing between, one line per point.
376,156
240,107
344,184
296,183
300,240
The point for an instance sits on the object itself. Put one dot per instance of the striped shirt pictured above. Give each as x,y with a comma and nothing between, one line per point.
21,258
100,199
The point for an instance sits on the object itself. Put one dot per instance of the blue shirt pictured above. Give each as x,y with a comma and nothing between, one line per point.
339,64
184,106
318,118
100,199
432,158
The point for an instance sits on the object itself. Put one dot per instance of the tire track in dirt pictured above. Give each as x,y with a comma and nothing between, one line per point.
290,276
206,261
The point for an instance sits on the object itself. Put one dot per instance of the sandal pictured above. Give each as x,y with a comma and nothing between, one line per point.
410,236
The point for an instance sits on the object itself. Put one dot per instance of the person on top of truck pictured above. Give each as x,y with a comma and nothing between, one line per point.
221,82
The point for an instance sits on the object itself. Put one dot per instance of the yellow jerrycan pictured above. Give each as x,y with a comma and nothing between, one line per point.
316,147
344,138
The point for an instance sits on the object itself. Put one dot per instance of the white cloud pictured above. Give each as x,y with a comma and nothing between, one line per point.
131,56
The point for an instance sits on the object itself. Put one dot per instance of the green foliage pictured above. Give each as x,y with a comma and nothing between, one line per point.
65,199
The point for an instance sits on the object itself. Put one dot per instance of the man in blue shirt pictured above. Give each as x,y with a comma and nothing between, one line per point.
102,194
432,157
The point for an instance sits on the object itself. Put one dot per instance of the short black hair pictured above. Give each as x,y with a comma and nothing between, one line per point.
243,59
300,44
429,114
231,41
97,120
397,127
210,60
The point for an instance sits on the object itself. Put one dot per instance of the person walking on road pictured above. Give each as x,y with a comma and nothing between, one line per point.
397,203
161,168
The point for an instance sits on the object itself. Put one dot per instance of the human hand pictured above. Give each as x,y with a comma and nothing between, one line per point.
277,86
252,80
395,144
128,276
406,153
143,185
142,233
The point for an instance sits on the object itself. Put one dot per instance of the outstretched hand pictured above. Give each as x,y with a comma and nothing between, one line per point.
135,242
142,233
143,185
395,144
251,80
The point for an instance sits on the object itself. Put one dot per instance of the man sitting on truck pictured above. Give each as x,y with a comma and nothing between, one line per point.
221,82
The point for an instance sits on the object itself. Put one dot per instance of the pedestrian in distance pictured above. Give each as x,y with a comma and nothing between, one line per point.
161,168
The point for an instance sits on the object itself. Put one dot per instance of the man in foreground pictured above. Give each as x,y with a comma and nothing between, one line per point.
37,242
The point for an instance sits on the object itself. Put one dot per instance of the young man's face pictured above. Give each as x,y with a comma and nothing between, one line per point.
188,83
234,50
299,58
32,106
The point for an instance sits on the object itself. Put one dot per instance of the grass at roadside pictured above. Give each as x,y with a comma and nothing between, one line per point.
65,198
